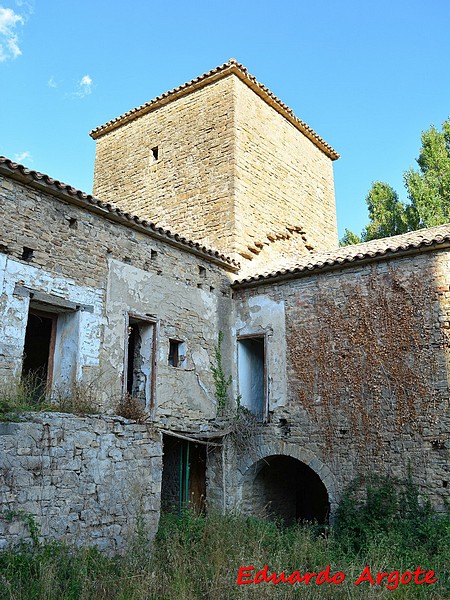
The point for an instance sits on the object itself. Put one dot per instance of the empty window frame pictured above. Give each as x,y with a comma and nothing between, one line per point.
177,354
140,360
252,374
51,341
38,351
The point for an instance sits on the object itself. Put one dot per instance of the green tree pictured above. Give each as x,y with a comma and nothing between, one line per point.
429,187
350,238
388,215
428,190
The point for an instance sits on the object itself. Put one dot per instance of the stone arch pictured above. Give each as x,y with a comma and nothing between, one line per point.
286,481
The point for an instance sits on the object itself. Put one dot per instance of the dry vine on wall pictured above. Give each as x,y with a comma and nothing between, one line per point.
365,361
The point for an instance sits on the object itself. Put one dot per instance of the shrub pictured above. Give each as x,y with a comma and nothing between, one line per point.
131,408
373,505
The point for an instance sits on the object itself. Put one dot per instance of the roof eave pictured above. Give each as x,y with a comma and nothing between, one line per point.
94,205
346,264
226,70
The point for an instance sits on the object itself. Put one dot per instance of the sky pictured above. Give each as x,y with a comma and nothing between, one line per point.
367,76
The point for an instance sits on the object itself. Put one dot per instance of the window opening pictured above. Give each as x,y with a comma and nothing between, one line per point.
27,254
37,366
177,353
140,360
155,153
184,475
252,375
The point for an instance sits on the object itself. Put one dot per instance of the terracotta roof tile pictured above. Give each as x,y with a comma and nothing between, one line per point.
350,255
232,66
20,172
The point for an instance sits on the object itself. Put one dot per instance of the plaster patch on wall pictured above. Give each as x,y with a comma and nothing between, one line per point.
3,259
262,315
14,314
183,312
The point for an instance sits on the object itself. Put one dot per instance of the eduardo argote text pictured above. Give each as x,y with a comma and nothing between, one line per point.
249,575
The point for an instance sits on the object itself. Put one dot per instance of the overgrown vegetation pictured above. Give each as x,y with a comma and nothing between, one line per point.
198,557
383,362
80,399
26,394
21,395
131,408
375,506
244,429
221,382
242,425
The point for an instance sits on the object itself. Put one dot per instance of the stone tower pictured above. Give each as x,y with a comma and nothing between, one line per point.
222,161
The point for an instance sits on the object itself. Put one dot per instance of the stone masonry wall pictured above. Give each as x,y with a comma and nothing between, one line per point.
76,257
189,188
282,179
84,480
367,372
231,172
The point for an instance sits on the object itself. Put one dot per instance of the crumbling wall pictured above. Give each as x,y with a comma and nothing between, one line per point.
20,282
184,394
84,480
101,272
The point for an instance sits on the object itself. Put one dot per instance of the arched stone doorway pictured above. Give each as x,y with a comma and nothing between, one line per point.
283,487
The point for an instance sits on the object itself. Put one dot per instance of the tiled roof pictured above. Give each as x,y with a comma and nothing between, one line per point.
232,66
407,243
74,196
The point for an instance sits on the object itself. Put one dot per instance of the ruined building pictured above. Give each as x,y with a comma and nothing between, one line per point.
213,217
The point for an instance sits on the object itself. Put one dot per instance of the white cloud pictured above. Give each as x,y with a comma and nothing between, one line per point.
52,83
22,156
86,81
28,5
84,87
9,46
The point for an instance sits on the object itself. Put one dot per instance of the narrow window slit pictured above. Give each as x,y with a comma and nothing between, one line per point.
27,254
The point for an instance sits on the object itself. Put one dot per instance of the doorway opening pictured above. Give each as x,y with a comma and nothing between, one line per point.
38,352
184,475
284,488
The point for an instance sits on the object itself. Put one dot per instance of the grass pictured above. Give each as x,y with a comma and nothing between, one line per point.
198,557
28,394
22,395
